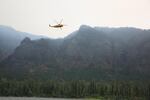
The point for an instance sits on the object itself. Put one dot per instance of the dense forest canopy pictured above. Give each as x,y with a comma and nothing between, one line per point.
132,90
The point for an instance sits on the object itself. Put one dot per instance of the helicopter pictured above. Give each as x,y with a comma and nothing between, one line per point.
58,25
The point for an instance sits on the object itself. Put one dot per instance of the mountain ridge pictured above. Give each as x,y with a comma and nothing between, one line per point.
87,53
10,39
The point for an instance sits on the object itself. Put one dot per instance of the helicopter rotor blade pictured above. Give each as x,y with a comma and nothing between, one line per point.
61,21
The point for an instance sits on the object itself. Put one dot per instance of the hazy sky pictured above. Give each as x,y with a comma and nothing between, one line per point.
34,15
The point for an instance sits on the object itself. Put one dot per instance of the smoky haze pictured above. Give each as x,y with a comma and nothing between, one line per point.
34,16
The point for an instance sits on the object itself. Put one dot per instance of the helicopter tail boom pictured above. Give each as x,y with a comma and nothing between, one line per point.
50,25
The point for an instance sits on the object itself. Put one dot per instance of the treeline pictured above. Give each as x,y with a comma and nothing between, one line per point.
75,89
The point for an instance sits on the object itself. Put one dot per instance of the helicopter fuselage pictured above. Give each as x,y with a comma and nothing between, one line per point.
57,26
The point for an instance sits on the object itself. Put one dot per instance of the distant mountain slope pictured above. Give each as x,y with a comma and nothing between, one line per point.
88,53
10,39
